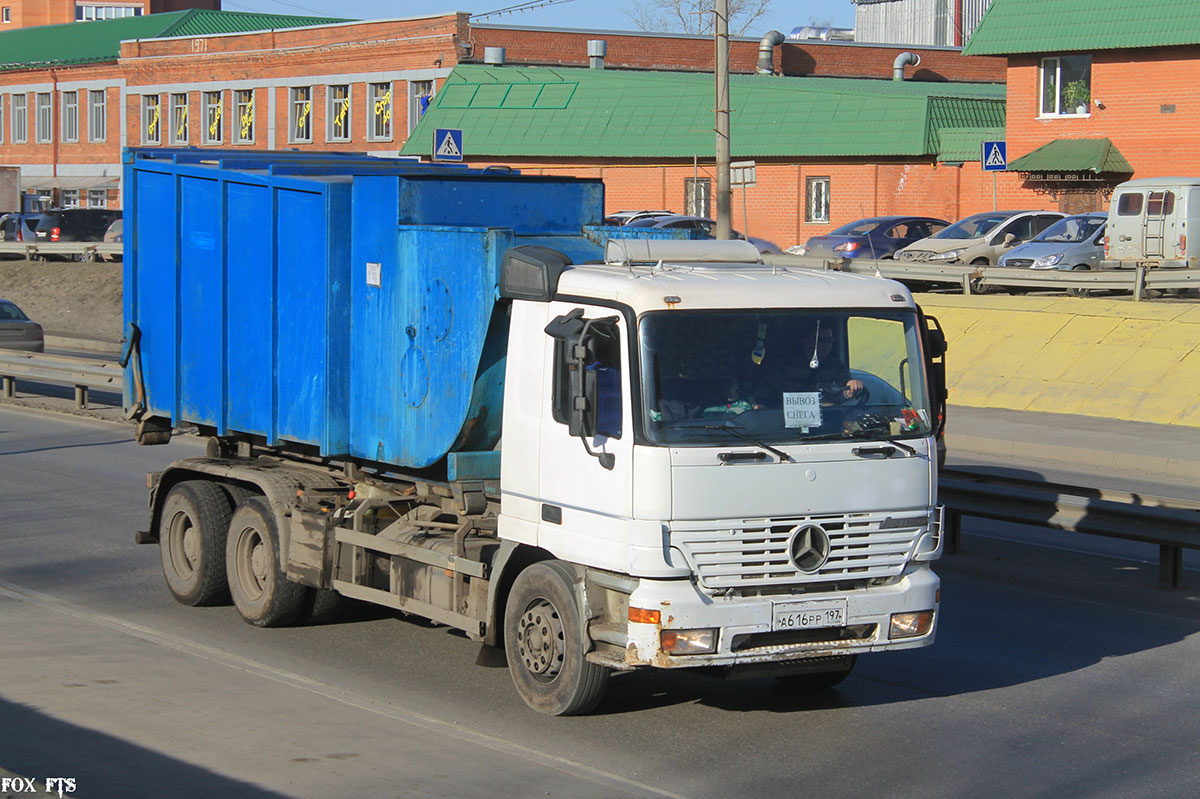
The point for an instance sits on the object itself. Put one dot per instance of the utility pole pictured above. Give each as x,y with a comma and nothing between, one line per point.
724,194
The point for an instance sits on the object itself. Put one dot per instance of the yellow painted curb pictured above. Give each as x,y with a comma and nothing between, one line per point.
1094,357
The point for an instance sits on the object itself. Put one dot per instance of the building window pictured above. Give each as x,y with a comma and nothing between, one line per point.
3,100
151,119
243,106
87,12
20,104
420,93
1066,85
43,120
179,118
69,198
70,116
338,113
300,115
213,128
6,14
697,196
97,198
816,200
97,116
379,110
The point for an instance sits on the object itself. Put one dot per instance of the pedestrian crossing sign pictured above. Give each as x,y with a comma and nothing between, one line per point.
995,156
447,144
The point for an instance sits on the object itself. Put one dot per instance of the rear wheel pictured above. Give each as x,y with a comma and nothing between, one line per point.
261,592
192,529
543,639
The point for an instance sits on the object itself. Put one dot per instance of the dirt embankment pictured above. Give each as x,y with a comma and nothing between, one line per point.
66,298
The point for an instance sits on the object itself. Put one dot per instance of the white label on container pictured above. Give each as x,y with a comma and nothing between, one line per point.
374,274
802,409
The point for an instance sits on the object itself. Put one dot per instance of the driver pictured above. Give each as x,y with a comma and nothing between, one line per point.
813,364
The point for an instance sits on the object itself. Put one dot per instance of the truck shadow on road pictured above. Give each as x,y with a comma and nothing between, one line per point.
38,746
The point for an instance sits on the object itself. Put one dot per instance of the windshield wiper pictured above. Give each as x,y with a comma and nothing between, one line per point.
744,436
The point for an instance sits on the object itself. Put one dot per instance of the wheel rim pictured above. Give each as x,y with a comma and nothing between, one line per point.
252,562
183,545
540,640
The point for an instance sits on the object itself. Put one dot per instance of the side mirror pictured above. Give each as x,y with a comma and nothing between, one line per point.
1009,239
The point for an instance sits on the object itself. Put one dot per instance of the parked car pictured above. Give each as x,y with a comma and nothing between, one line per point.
980,238
877,237
619,218
701,223
19,226
1075,242
18,331
115,235
75,224
1149,220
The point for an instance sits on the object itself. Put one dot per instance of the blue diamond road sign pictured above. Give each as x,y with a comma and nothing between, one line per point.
447,144
994,156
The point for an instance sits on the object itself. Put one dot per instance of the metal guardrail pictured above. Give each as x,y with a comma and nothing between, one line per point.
976,279
1173,524
86,251
82,373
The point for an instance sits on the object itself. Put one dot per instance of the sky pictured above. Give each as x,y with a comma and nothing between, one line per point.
589,14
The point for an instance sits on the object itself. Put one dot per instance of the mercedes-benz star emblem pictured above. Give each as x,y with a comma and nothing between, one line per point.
809,548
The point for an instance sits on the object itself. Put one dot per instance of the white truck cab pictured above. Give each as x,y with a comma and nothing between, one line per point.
750,448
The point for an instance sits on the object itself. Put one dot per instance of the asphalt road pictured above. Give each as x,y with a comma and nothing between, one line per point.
1055,673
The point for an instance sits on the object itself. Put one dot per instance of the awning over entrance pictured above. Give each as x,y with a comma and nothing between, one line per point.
68,182
1097,156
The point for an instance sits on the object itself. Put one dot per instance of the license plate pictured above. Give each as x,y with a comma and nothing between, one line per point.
809,614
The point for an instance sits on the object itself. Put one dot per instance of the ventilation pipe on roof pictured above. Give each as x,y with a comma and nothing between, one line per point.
766,52
597,50
901,60
493,55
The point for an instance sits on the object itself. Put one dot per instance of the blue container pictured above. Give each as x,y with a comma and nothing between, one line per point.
344,303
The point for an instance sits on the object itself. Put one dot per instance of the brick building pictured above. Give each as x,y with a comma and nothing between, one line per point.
29,13
1097,93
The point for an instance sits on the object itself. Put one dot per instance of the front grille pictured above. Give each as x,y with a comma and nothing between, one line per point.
916,255
754,553
1022,263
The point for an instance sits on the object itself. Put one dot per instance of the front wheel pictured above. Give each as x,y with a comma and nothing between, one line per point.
1074,292
261,592
544,642
977,284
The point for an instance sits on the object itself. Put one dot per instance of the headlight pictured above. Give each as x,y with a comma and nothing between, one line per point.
949,255
910,625
1047,261
689,642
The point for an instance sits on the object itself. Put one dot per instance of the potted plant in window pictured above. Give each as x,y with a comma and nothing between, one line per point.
1077,94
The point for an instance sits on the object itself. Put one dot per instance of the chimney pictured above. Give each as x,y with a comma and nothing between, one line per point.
493,55
597,50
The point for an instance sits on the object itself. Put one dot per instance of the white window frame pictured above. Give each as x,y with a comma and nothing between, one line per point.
70,117
179,118
20,118
97,115
383,114
816,199
242,110
97,198
414,100
3,103
1053,65
214,128
152,121
6,15
43,119
68,197
300,117
338,108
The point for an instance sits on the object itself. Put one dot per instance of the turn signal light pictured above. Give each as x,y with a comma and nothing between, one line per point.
644,616
910,625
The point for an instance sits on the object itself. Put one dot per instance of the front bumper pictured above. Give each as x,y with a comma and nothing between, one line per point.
745,634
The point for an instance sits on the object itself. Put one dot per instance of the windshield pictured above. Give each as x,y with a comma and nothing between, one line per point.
1073,228
972,227
781,376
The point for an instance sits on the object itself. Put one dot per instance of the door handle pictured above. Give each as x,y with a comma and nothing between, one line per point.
734,457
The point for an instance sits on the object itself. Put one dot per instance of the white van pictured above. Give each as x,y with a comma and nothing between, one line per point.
1148,223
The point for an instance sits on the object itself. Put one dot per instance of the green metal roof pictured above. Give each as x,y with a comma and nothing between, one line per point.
1073,155
89,42
965,144
562,112
1038,26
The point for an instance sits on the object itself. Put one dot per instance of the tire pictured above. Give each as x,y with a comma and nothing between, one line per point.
543,640
977,284
321,606
1080,292
817,681
193,526
261,592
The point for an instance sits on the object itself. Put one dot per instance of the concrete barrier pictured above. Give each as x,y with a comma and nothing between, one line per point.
1094,357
